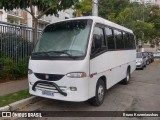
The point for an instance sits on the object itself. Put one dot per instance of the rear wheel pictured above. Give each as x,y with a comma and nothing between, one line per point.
126,80
100,93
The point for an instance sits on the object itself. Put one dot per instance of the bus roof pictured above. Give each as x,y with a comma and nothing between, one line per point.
102,21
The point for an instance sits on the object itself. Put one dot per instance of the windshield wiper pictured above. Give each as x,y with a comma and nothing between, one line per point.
63,52
43,53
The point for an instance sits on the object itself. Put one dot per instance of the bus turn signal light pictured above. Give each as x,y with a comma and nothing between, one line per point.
76,75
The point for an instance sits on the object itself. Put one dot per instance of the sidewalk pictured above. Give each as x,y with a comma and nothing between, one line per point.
13,86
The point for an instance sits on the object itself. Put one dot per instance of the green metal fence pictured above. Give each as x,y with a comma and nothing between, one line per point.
16,41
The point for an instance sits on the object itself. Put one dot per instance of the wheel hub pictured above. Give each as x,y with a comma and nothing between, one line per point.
100,92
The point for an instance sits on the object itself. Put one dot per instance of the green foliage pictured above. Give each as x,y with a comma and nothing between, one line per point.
132,18
54,5
45,7
143,31
13,71
109,9
84,7
143,20
13,97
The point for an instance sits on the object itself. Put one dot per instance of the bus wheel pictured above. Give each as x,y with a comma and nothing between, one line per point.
100,93
126,80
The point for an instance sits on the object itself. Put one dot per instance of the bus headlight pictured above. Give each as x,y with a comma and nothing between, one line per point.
30,71
76,75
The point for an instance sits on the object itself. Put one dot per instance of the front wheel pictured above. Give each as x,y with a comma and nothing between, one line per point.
100,93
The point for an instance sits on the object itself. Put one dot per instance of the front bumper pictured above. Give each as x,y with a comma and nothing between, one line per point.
65,84
139,65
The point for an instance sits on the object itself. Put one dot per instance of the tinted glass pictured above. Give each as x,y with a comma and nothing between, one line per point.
119,39
132,41
126,40
98,32
110,39
69,36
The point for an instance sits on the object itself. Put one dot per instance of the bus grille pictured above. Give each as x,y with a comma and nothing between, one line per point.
50,77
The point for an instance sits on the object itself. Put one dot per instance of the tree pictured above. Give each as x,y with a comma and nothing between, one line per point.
154,18
45,7
83,8
135,17
109,9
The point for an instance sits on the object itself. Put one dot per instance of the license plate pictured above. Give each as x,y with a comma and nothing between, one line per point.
48,93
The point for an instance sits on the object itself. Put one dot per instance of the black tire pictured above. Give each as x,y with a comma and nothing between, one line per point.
142,68
126,80
147,62
98,99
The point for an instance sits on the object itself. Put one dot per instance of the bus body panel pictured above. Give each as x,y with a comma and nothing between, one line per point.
58,66
113,69
61,67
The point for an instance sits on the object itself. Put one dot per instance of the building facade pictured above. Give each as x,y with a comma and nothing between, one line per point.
21,17
152,2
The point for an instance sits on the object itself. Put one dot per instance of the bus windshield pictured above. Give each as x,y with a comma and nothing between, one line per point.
64,39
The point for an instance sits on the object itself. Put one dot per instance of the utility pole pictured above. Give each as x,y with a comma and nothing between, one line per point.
95,7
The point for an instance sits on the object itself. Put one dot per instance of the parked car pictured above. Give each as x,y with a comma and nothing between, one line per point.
157,55
148,59
140,61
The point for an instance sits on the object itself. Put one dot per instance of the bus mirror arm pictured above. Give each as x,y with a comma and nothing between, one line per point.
49,83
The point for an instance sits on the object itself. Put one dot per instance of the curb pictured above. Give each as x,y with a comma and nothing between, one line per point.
5,108
19,105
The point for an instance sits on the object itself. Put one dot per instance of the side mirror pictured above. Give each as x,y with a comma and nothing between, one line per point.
98,41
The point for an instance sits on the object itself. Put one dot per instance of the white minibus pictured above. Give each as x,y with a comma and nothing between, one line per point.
78,59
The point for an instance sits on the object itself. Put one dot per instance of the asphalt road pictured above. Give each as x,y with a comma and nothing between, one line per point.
141,94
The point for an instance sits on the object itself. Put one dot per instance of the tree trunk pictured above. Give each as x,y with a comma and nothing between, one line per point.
35,31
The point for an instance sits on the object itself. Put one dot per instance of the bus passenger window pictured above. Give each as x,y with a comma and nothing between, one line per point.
126,40
110,39
132,41
119,39
98,43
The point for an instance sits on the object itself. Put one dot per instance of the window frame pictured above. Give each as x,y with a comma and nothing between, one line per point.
103,26
102,51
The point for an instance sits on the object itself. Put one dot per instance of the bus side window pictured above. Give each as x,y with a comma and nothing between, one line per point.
110,39
119,39
132,41
99,35
126,39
